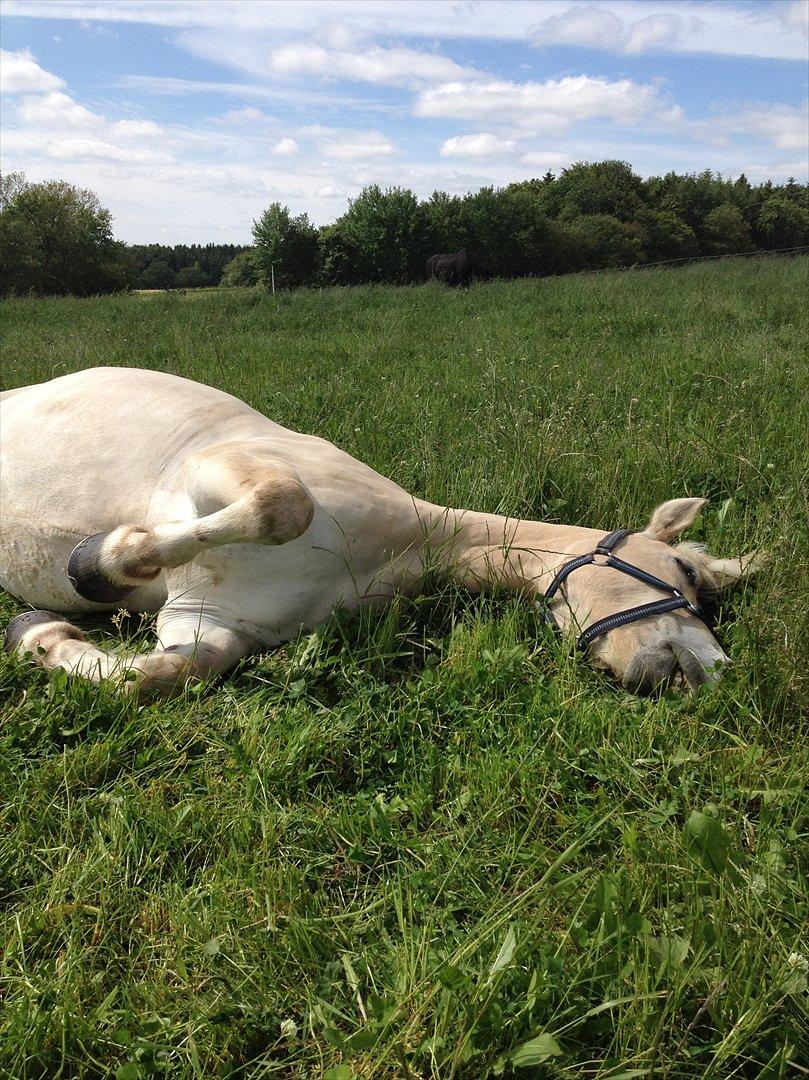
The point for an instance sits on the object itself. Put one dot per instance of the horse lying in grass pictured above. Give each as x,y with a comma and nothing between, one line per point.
126,487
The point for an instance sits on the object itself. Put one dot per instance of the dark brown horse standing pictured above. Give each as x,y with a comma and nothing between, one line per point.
457,268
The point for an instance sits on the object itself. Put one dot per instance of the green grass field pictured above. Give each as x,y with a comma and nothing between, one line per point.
429,842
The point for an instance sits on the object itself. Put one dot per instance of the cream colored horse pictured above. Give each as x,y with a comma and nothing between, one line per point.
240,533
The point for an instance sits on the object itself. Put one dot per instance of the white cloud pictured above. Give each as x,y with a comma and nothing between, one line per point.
21,74
676,26
655,32
55,110
481,147
782,126
97,150
248,115
783,169
795,17
599,28
547,159
168,86
549,106
59,128
591,27
329,191
390,67
349,144
708,26
339,34
358,149
286,146
137,129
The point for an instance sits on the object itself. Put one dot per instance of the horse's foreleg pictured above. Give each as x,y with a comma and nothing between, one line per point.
193,650
241,494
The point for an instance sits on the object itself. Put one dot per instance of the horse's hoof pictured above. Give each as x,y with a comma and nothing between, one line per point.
87,578
21,624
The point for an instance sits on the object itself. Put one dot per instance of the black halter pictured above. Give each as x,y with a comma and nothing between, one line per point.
675,600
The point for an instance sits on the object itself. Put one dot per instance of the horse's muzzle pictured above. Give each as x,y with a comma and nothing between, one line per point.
652,669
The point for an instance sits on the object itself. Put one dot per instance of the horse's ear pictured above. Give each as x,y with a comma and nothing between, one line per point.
672,517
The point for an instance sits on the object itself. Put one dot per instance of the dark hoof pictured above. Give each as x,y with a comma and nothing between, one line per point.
21,624
86,577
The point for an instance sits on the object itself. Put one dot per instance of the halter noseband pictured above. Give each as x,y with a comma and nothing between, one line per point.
675,600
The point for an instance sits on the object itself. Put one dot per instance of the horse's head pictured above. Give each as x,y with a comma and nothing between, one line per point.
638,608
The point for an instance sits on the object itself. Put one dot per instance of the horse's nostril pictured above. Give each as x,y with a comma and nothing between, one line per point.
691,667
649,669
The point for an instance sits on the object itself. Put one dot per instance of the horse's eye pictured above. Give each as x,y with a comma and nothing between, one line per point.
688,570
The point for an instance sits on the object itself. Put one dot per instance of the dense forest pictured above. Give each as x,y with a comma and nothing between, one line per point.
156,266
58,239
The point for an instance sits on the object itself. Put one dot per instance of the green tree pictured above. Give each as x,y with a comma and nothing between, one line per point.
604,187
338,259
240,270
508,227
529,228
157,275
191,277
386,234
691,197
11,184
668,236
287,244
443,226
56,239
604,241
782,222
727,230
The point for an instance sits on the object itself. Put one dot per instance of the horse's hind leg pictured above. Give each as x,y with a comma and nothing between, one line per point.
241,493
191,648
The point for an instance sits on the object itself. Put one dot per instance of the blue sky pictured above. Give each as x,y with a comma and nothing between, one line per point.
189,116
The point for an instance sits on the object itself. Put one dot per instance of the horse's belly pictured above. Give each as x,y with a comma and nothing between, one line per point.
272,593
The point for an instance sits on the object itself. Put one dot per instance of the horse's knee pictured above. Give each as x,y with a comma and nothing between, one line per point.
246,498
284,510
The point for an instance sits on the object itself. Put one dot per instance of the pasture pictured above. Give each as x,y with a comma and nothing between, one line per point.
430,842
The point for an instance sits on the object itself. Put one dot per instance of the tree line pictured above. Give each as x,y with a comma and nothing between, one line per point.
58,239
590,217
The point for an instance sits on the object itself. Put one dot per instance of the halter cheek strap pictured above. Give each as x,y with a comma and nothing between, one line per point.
675,600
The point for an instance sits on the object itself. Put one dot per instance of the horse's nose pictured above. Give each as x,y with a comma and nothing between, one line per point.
649,669
699,671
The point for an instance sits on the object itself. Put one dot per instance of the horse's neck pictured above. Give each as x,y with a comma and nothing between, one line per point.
488,549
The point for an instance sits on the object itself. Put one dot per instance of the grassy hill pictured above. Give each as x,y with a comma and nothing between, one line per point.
429,842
